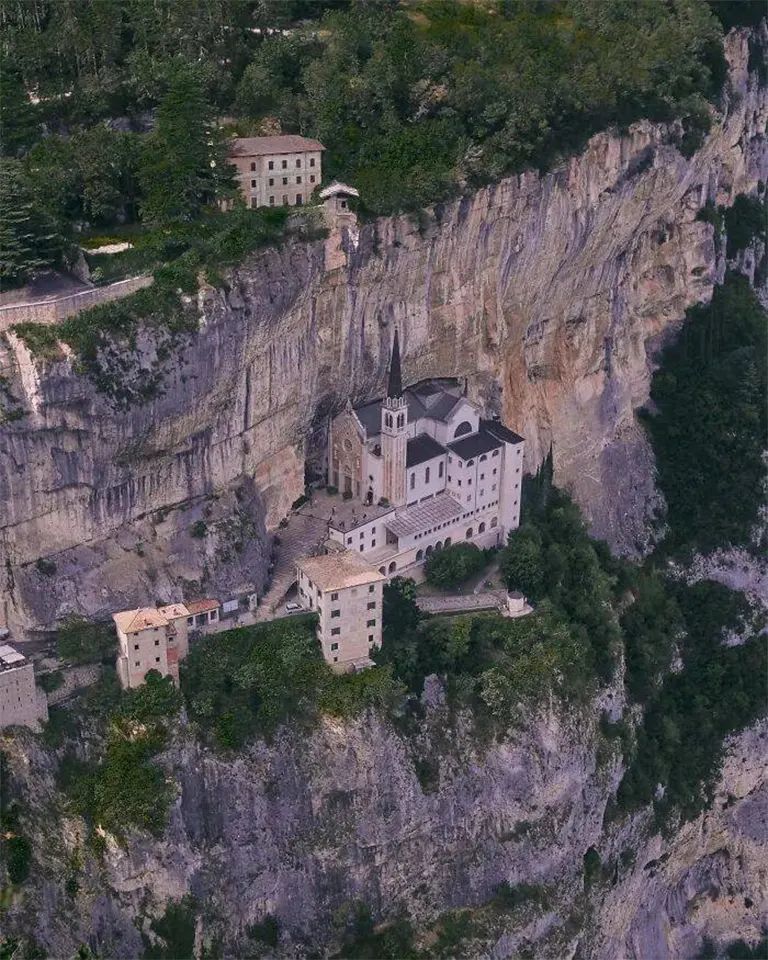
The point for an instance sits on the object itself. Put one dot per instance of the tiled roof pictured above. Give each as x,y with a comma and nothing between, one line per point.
144,618
497,428
421,449
422,516
202,606
174,611
261,146
434,398
339,570
474,444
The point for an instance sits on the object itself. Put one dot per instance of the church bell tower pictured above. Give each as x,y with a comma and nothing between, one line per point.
394,432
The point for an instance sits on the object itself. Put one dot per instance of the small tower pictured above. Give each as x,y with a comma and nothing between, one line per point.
341,222
394,432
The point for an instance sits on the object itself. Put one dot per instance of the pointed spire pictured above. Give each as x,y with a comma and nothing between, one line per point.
395,382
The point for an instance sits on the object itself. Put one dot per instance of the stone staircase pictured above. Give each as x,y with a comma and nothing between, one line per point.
305,532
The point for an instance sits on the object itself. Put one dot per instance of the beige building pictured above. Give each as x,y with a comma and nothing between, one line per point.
21,703
151,639
277,171
346,592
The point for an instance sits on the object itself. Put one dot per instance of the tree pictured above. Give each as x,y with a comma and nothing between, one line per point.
18,122
29,242
454,565
521,564
184,167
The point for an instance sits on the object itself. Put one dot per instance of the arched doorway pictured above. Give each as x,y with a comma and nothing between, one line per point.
392,567
447,541
470,533
481,528
419,555
383,571
429,549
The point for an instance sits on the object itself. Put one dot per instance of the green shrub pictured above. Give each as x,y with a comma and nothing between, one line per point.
51,681
507,897
46,567
80,641
267,931
593,868
17,853
176,928
199,529
454,565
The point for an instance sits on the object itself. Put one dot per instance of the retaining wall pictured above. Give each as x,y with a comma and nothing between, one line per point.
59,308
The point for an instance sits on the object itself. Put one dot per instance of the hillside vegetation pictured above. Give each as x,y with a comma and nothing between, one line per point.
117,111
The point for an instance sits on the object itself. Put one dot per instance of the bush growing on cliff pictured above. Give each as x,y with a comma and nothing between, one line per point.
81,641
710,424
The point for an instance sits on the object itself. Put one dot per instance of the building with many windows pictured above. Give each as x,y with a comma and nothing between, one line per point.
277,171
421,469
346,592
151,639
21,703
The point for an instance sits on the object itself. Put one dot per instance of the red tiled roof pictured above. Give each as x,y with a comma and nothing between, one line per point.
202,606
260,146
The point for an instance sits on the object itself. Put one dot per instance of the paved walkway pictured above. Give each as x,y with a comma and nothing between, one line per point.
457,603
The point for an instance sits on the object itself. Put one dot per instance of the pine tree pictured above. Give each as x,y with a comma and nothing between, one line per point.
29,242
184,167
18,122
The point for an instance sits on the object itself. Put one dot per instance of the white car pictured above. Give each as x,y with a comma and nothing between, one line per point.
292,607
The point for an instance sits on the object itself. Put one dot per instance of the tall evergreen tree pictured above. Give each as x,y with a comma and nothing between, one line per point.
18,123
184,167
29,242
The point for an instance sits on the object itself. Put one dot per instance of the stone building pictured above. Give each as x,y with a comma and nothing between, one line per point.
421,469
346,592
341,220
151,639
277,171
21,703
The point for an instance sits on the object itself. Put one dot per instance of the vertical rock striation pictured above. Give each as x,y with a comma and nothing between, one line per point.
545,291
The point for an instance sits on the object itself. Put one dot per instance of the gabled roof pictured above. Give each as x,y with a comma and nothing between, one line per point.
421,449
261,146
474,444
440,509
335,571
497,428
433,398
174,611
337,189
143,618
202,606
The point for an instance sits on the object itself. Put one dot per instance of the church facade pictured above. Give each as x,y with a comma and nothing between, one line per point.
420,469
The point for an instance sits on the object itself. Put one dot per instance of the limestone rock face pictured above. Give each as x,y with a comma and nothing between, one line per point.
316,822
546,292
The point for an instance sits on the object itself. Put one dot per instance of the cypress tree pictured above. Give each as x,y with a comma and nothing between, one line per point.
29,242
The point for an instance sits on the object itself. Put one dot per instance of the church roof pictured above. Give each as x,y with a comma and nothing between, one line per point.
497,428
473,445
421,449
433,398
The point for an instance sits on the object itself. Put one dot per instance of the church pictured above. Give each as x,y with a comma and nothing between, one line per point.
419,470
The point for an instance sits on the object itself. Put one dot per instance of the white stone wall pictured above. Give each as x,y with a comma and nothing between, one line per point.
368,536
511,487
426,479
254,176
141,652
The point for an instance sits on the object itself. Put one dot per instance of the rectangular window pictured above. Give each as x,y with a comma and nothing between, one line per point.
334,596
271,201
426,475
372,605
253,166
370,638
335,613
373,530
299,201
482,476
413,480
157,659
311,161
285,181
495,471
298,179
271,164
450,479
298,163
469,482
157,643
493,487
373,544
371,588
285,164
285,199
459,481
254,203
271,181
137,663
253,183
440,470
482,493
349,540
370,623
334,646
312,178
190,621
336,631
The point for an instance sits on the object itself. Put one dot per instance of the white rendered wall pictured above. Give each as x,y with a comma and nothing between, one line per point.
417,486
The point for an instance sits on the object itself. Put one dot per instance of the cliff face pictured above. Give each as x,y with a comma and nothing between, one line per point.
545,291
314,823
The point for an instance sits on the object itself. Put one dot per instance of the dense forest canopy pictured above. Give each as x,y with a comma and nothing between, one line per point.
414,100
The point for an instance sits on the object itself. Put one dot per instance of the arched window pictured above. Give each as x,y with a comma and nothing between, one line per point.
392,567
439,545
481,528
447,541
419,555
400,419
483,457
470,531
429,549
383,571
470,463
464,427
495,522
